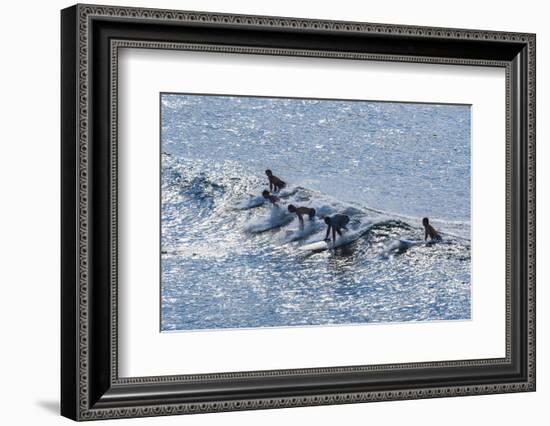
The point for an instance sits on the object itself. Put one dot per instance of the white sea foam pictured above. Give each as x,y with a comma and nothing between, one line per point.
276,217
310,227
249,203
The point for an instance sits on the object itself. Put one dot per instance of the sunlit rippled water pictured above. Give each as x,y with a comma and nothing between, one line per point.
229,261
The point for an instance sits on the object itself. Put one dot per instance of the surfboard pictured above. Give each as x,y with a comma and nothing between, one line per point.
317,246
341,241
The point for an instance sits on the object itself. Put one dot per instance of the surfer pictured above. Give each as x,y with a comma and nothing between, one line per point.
429,231
272,198
336,223
275,184
300,211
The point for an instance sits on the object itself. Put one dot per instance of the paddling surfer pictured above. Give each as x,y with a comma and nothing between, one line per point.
300,212
336,223
275,184
429,231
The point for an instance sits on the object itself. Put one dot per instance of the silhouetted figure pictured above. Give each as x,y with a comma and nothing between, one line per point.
336,223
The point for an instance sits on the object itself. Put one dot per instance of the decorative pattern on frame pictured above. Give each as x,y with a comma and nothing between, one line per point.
118,44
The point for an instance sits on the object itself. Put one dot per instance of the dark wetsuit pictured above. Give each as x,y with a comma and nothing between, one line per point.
276,184
337,222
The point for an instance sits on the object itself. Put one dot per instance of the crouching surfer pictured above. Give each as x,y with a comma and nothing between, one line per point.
275,184
273,199
429,231
300,212
336,223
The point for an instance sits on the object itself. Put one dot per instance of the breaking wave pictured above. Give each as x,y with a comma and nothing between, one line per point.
217,226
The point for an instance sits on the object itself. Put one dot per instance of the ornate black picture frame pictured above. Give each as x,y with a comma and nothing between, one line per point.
91,387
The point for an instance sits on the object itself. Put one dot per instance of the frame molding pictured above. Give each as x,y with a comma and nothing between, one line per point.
91,37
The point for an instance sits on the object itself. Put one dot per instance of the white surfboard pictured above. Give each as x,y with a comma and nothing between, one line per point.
347,238
317,246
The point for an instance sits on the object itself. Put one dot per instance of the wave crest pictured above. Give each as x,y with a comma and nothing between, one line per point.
207,201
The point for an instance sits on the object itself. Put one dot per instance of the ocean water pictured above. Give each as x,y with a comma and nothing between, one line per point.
229,260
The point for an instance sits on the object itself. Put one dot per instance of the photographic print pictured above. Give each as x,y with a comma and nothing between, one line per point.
283,212
301,193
